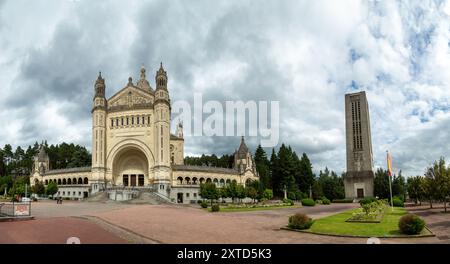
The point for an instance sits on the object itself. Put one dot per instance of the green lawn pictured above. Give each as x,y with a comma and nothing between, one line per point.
243,209
336,225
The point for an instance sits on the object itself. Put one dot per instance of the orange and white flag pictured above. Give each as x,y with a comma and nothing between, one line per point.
389,164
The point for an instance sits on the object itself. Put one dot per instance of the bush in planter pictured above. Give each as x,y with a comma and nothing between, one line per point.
325,200
308,202
215,208
300,221
411,224
204,204
397,202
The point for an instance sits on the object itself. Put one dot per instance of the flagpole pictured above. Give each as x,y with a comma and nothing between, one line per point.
390,176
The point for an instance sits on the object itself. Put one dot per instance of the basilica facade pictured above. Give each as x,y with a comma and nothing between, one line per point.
133,148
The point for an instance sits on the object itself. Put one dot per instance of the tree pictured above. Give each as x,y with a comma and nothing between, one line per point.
399,186
415,187
52,188
262,167
306,177
209,191
274,172
38,188
439,181
251,192
381,184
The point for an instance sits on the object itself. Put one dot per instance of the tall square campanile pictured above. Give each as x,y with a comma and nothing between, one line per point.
358,181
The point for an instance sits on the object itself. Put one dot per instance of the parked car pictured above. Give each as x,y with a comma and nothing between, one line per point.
26,199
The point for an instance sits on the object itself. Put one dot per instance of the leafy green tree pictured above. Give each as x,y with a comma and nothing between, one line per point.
241,193
209,191
38,188
416,188
251,192
381,184
52,188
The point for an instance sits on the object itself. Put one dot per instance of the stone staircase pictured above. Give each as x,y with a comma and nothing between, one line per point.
135,195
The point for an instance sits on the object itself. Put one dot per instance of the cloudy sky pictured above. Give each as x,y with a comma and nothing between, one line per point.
304,54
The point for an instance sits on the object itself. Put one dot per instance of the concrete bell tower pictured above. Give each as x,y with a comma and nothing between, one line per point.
162,132
99,135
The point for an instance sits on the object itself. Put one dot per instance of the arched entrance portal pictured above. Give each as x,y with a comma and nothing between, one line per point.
130,167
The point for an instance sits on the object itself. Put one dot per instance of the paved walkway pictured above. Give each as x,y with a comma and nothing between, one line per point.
436,220
111,222
55,231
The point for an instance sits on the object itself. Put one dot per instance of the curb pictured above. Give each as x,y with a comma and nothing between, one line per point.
358,236
16,219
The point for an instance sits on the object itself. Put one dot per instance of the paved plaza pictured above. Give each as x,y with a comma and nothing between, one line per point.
112,222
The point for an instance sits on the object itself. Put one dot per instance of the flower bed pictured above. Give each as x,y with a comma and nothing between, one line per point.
372,212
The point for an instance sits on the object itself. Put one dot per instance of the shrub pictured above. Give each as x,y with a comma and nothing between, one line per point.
342,200
199,201
308,202
267,194
204,204
325,200
411,224
318,201
288,201
397,202
215,208
300,221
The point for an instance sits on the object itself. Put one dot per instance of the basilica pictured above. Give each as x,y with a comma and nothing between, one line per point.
134,149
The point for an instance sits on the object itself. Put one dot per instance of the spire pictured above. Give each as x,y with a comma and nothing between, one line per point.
143,83
99,86
130,81
243,149
142,72
161,78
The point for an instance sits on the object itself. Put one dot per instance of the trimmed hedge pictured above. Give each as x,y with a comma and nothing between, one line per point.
308,202
204,204
300,221
215,208
397,202
411,224
325,200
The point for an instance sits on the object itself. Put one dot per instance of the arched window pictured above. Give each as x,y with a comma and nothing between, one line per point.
202,180
180,180
228,182
194,180
69,181
59,181
80,181
216,182
46,182
86,181
74,181
222,182
248,182
187,180
137,120
208,180
64,182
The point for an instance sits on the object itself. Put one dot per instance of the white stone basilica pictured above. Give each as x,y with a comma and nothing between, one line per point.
133,149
